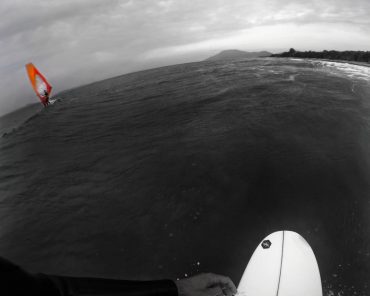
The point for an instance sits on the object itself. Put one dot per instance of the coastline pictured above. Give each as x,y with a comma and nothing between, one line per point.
328,60
347,62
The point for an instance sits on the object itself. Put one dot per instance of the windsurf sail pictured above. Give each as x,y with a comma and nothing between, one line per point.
39,83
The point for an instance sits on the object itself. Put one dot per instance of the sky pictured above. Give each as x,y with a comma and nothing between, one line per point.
74,42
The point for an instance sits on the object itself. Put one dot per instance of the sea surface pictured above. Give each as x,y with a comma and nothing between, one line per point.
183,169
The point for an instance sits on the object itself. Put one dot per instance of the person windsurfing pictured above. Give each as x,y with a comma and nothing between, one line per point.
39,84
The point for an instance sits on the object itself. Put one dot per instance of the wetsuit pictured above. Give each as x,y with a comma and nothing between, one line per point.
46,96
14,281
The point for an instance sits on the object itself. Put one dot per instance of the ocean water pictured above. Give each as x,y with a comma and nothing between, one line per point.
172,171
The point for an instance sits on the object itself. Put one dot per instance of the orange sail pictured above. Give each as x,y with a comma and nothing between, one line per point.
39,83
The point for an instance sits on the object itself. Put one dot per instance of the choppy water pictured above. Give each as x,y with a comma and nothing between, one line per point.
183,169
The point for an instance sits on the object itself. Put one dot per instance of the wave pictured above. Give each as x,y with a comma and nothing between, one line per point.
14,129
353,71
12,122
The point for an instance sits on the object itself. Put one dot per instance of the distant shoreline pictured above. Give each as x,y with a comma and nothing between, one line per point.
347,62
328,60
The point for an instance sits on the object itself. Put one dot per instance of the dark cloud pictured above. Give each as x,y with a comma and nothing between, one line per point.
69,40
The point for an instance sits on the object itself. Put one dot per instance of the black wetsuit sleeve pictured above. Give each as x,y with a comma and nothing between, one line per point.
69,286
15,281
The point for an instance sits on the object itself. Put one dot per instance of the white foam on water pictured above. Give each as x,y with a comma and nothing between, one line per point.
292,77
350,70
275,72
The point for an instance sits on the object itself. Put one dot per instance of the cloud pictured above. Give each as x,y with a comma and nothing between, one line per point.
76,42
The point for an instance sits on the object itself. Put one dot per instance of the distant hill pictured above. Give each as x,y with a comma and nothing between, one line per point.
234,54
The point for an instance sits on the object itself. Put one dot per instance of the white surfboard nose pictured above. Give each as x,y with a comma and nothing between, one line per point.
283,264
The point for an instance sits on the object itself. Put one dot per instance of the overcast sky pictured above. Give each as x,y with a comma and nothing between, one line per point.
75,42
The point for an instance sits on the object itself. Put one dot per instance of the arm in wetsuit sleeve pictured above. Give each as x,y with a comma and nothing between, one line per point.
15,281
69,286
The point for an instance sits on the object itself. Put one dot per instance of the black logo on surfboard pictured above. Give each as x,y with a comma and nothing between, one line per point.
266,244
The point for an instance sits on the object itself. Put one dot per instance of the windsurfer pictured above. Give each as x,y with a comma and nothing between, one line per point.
46,98
39,84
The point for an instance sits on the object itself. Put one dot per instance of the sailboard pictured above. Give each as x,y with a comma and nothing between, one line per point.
39,83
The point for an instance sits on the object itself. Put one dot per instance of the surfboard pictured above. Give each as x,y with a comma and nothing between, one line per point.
283,264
